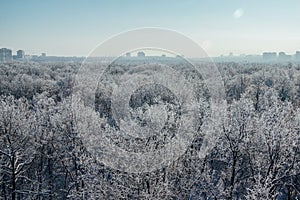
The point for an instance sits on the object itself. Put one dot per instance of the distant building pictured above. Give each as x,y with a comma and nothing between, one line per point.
269,55
43,55
283,56
5,55
20,54
128,54
141,54
163,55
297,55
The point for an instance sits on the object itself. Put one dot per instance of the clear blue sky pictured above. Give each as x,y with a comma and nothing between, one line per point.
73,27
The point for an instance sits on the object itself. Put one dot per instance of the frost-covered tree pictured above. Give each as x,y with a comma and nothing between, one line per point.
17,147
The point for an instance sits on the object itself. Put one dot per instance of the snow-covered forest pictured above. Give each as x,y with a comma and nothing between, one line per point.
256,156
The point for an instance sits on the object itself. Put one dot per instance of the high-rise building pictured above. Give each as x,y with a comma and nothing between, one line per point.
20,54
297,55
43,55
5,55
282,56
140,54
269,55
128,54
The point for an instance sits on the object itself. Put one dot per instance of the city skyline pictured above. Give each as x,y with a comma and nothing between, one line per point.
21,51
70,28
7,55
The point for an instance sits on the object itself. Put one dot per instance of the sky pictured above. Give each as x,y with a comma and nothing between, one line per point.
75,28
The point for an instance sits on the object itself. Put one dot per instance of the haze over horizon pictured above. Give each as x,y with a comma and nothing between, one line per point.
70,28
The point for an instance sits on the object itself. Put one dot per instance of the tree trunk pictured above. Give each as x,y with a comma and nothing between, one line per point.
13,178
233,173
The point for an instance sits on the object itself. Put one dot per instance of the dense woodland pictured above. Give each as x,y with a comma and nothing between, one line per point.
257,156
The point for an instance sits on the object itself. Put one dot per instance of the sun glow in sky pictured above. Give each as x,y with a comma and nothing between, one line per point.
74,28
